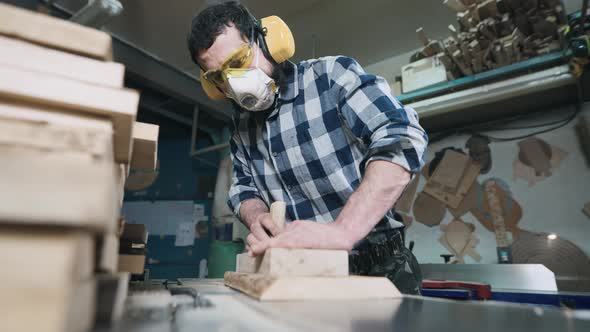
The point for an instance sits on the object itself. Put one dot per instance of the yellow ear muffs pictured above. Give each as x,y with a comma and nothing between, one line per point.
279,38
210,89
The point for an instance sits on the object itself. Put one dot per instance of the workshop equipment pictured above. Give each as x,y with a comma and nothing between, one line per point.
569,263
303,274
227,309
423,73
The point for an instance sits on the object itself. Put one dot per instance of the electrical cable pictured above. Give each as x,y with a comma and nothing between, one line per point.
477,129
507,139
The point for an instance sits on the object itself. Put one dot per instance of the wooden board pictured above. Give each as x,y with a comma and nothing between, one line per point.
68,308
469,201
428,210
248,264
54,32
450,170
60,255
46,272
47,128
511,211
56,93
24,55
111,295
65,183
107,253
295,262
133,264
452,197
145,147
121,173
273,288
136,233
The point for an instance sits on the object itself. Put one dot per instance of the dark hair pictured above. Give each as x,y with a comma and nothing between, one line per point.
212,21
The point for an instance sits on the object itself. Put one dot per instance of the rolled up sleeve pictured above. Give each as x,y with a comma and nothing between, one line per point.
388,130
242,187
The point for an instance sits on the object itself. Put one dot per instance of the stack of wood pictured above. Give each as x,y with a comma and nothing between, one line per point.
66,124
496,33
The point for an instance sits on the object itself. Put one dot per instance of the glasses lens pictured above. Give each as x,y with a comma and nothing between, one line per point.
241,58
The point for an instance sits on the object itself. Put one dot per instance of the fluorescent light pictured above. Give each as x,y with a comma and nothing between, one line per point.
552,236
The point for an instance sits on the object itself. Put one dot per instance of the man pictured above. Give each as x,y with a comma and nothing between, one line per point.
323,136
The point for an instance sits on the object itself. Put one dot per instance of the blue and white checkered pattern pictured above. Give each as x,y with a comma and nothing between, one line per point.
311,149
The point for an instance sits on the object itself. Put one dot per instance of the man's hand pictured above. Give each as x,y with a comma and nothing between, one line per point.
261,230
305,235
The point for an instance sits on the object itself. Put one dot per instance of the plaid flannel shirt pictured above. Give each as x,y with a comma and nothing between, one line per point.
310,150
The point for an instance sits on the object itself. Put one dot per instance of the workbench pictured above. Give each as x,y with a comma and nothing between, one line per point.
215,307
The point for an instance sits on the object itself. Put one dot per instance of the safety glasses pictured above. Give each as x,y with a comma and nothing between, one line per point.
241,58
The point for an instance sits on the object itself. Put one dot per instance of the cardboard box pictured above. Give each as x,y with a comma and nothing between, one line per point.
134,264
54,32
423,73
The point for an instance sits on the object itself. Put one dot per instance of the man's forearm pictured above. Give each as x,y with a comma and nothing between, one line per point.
251,209
380,188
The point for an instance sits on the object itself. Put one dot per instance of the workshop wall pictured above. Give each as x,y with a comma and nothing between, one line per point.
176,210
547,198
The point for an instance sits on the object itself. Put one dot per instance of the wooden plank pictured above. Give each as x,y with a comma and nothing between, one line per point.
121,174
248,264
133,264
304,262
60,255
453,197
21,54
450,170
45,128
111,295
60,309
40,188
46,272
273,288
295,262
55,33
82,310
145,146
107,253
63,94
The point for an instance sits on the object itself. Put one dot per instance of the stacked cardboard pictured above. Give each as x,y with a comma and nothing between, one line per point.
66,126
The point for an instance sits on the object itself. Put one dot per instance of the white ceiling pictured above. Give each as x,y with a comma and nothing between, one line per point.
370,30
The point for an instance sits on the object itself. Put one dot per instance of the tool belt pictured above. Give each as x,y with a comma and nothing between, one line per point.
383,254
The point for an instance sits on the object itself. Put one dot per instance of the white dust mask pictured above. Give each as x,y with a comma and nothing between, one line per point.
251,88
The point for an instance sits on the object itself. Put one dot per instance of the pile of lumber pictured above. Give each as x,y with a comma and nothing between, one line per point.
496,33
66,143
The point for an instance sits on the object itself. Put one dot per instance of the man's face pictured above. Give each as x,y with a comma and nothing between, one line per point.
228,42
